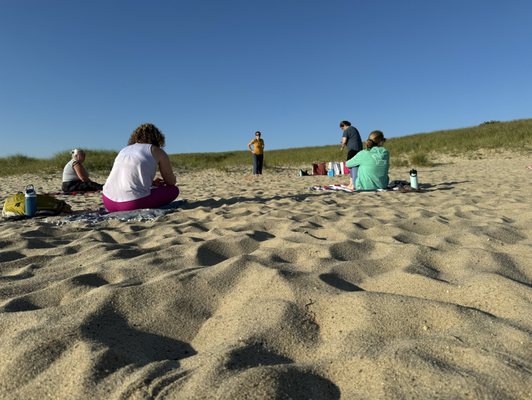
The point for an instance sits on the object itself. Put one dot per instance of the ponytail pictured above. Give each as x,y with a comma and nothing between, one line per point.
369,144
375,139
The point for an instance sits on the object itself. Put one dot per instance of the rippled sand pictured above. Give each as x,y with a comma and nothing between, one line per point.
260,289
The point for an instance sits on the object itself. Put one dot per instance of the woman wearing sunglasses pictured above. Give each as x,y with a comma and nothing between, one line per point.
256,146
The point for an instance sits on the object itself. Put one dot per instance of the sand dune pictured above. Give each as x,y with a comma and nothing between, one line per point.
260,289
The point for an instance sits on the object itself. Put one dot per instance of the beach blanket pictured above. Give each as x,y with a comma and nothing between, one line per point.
341,188
85,193
399,186
142,215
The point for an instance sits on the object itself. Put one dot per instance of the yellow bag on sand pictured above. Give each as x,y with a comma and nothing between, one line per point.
46,205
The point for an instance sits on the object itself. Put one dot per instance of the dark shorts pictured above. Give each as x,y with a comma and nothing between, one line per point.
351,154
79,186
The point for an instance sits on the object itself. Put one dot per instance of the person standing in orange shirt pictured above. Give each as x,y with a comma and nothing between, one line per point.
256,146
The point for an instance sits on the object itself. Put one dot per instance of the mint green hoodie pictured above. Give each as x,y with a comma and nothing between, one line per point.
373,166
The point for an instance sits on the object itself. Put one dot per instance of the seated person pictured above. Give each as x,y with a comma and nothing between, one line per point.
131,184
76,177
373,164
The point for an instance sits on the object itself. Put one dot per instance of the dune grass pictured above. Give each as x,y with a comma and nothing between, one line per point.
99,160
414,150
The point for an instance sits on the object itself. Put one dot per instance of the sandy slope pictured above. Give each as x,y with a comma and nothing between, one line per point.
264,289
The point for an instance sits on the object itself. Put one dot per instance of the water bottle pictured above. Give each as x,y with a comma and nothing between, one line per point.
30,201
413,179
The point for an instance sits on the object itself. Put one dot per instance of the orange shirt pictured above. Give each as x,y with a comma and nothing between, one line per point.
258,146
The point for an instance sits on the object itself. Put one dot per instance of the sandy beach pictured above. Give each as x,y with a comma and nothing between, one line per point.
261,289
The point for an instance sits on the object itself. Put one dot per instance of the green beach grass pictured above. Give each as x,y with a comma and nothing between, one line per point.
413,150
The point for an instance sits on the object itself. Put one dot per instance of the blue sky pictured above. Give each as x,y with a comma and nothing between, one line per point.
209,73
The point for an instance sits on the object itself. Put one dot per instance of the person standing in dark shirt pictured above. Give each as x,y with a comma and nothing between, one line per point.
351,140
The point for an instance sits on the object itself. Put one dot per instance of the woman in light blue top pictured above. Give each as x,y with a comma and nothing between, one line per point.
373,164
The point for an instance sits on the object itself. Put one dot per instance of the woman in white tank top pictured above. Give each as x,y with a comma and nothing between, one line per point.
132,184
75,175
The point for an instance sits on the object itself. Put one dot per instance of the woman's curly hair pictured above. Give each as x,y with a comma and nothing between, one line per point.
147,133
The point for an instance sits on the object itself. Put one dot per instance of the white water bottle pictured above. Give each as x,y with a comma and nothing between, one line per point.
30,201
413,179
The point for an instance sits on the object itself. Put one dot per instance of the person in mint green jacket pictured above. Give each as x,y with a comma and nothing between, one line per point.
373,164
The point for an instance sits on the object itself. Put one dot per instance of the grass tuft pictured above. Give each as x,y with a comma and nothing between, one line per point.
420,160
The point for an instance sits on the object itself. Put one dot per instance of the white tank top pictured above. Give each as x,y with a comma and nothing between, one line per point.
132,174
69,175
